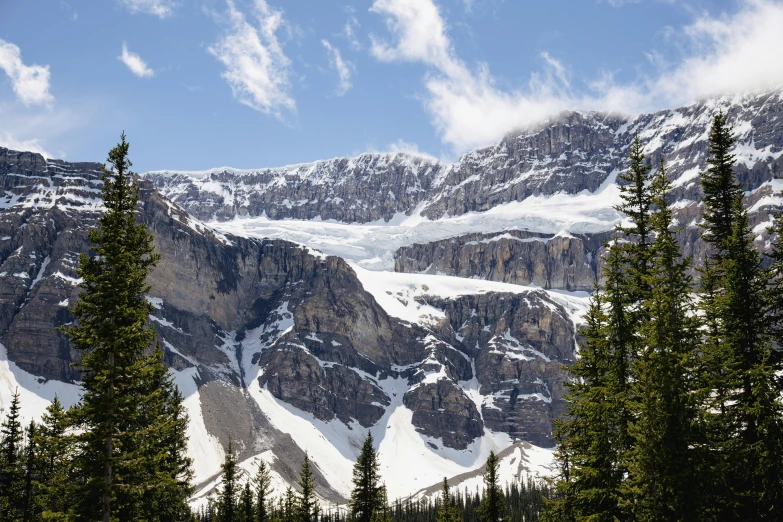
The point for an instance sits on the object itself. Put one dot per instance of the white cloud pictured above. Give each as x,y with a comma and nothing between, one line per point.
30,82
257,69
732,53
159,8
408,148
8,141
134,62
349,31
344,68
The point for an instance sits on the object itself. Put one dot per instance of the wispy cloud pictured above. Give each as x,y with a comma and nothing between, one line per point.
256,68
30,82
134,63
159,8
344,68
8,141
730,53
408,148
349,31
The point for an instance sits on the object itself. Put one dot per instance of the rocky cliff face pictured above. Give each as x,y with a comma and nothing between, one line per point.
569,153
252,316
562,261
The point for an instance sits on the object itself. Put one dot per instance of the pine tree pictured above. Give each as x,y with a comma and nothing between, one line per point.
492,507
741,411
637,201
588,481
56,463
228,494
31,502
11,464
447,512
288,506
307,508
262,483
661,483
367,490
112,332
246,507
166,477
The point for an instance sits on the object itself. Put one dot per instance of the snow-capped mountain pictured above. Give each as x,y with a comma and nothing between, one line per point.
432,304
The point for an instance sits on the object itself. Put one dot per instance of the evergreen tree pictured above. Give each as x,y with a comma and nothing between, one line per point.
720,187
637,200
447,512
228,494
366,497
741,411
113,333
262,483
288,506
492,507
31,504
307,508
246,507
166,477
588,480
661,484
11,464
55,463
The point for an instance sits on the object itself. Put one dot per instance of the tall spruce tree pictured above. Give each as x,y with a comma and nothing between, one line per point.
246,508
588,480
596,435
288,506
165,479
366,496
11,462
307,508
661,482
113,333
56,463
229,487
262,484
447,511
636,202
31,501
740,413
493,506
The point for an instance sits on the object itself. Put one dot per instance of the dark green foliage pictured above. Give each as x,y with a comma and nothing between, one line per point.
112,332
367,494
246,507
55,463
741,411
307,508
492,507
637,201
661,479
262,484
130,448
228,494
721,190
11,462
447,512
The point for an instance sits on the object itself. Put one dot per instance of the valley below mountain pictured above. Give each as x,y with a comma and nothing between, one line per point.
434,305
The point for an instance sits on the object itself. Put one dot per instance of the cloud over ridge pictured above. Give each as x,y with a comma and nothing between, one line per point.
731,53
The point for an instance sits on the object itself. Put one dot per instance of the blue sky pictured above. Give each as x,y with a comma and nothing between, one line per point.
250,83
